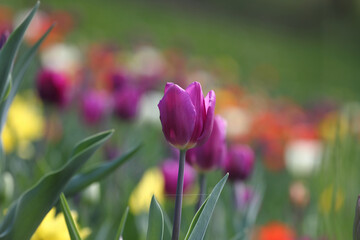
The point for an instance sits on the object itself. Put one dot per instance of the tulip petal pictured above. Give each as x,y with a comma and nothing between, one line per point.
210,101
197,98
167,86
177,116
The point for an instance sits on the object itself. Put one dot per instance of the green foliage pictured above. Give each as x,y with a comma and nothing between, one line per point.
122,224
26,213
70,223
83,180
156,221
202,220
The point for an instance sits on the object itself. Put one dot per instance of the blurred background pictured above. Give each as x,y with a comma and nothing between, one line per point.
292,67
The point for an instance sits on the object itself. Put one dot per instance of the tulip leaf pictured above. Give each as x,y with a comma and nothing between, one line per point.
70,223
195,219
27,212
156,221
122,224
20,68
83,180
202,220
168,227
10,49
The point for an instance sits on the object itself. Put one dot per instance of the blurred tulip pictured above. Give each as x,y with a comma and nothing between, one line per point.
243,196
303,157
94,106
7,187
91,194
118,80
186,116
126,103
170,170
299,195
212,154
239,162
276,231
52,87
3,37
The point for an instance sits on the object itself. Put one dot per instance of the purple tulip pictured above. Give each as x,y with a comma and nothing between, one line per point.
119,79
212,154
243,196
53,87
170,170
239,162
3,37
186,116
94,106
126,103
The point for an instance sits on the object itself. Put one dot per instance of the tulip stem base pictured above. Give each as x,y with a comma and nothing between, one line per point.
179,196
202,191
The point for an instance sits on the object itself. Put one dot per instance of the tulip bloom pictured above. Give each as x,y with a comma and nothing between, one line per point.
212,154
53,87
239,162
170,173
94,106
186,116
126,103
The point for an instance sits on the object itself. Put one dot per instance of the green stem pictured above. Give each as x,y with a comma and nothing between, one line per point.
179,196
202,192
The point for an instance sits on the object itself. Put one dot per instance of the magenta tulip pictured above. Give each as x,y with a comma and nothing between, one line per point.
170,170
53,87
126,103
94,106
186,116
211,154
239,162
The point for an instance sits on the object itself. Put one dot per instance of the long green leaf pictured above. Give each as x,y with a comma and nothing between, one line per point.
25,215
9,50
70,223
195,219
156,221
199,230
83,180
122,224
20,68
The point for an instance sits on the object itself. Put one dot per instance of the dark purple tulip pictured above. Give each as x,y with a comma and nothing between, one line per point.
211,154
239,162
3,37
186,117
94,106
119,79
53,87
170,170
126,103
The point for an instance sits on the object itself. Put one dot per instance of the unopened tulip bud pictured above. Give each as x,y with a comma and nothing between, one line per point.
212,154
170,170
53,87
186,117
239,162
94,106
126,103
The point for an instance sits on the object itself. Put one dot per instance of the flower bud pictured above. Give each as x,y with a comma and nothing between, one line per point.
212,154
243,196
299,195
126,103
170,170
94,106
186,116
92,193
53,87
239,162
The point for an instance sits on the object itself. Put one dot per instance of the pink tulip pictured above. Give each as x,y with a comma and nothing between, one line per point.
212,154
94,106
170,170
126,103
186,116
239,162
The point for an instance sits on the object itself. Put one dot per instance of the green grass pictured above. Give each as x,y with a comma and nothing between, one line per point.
302,65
